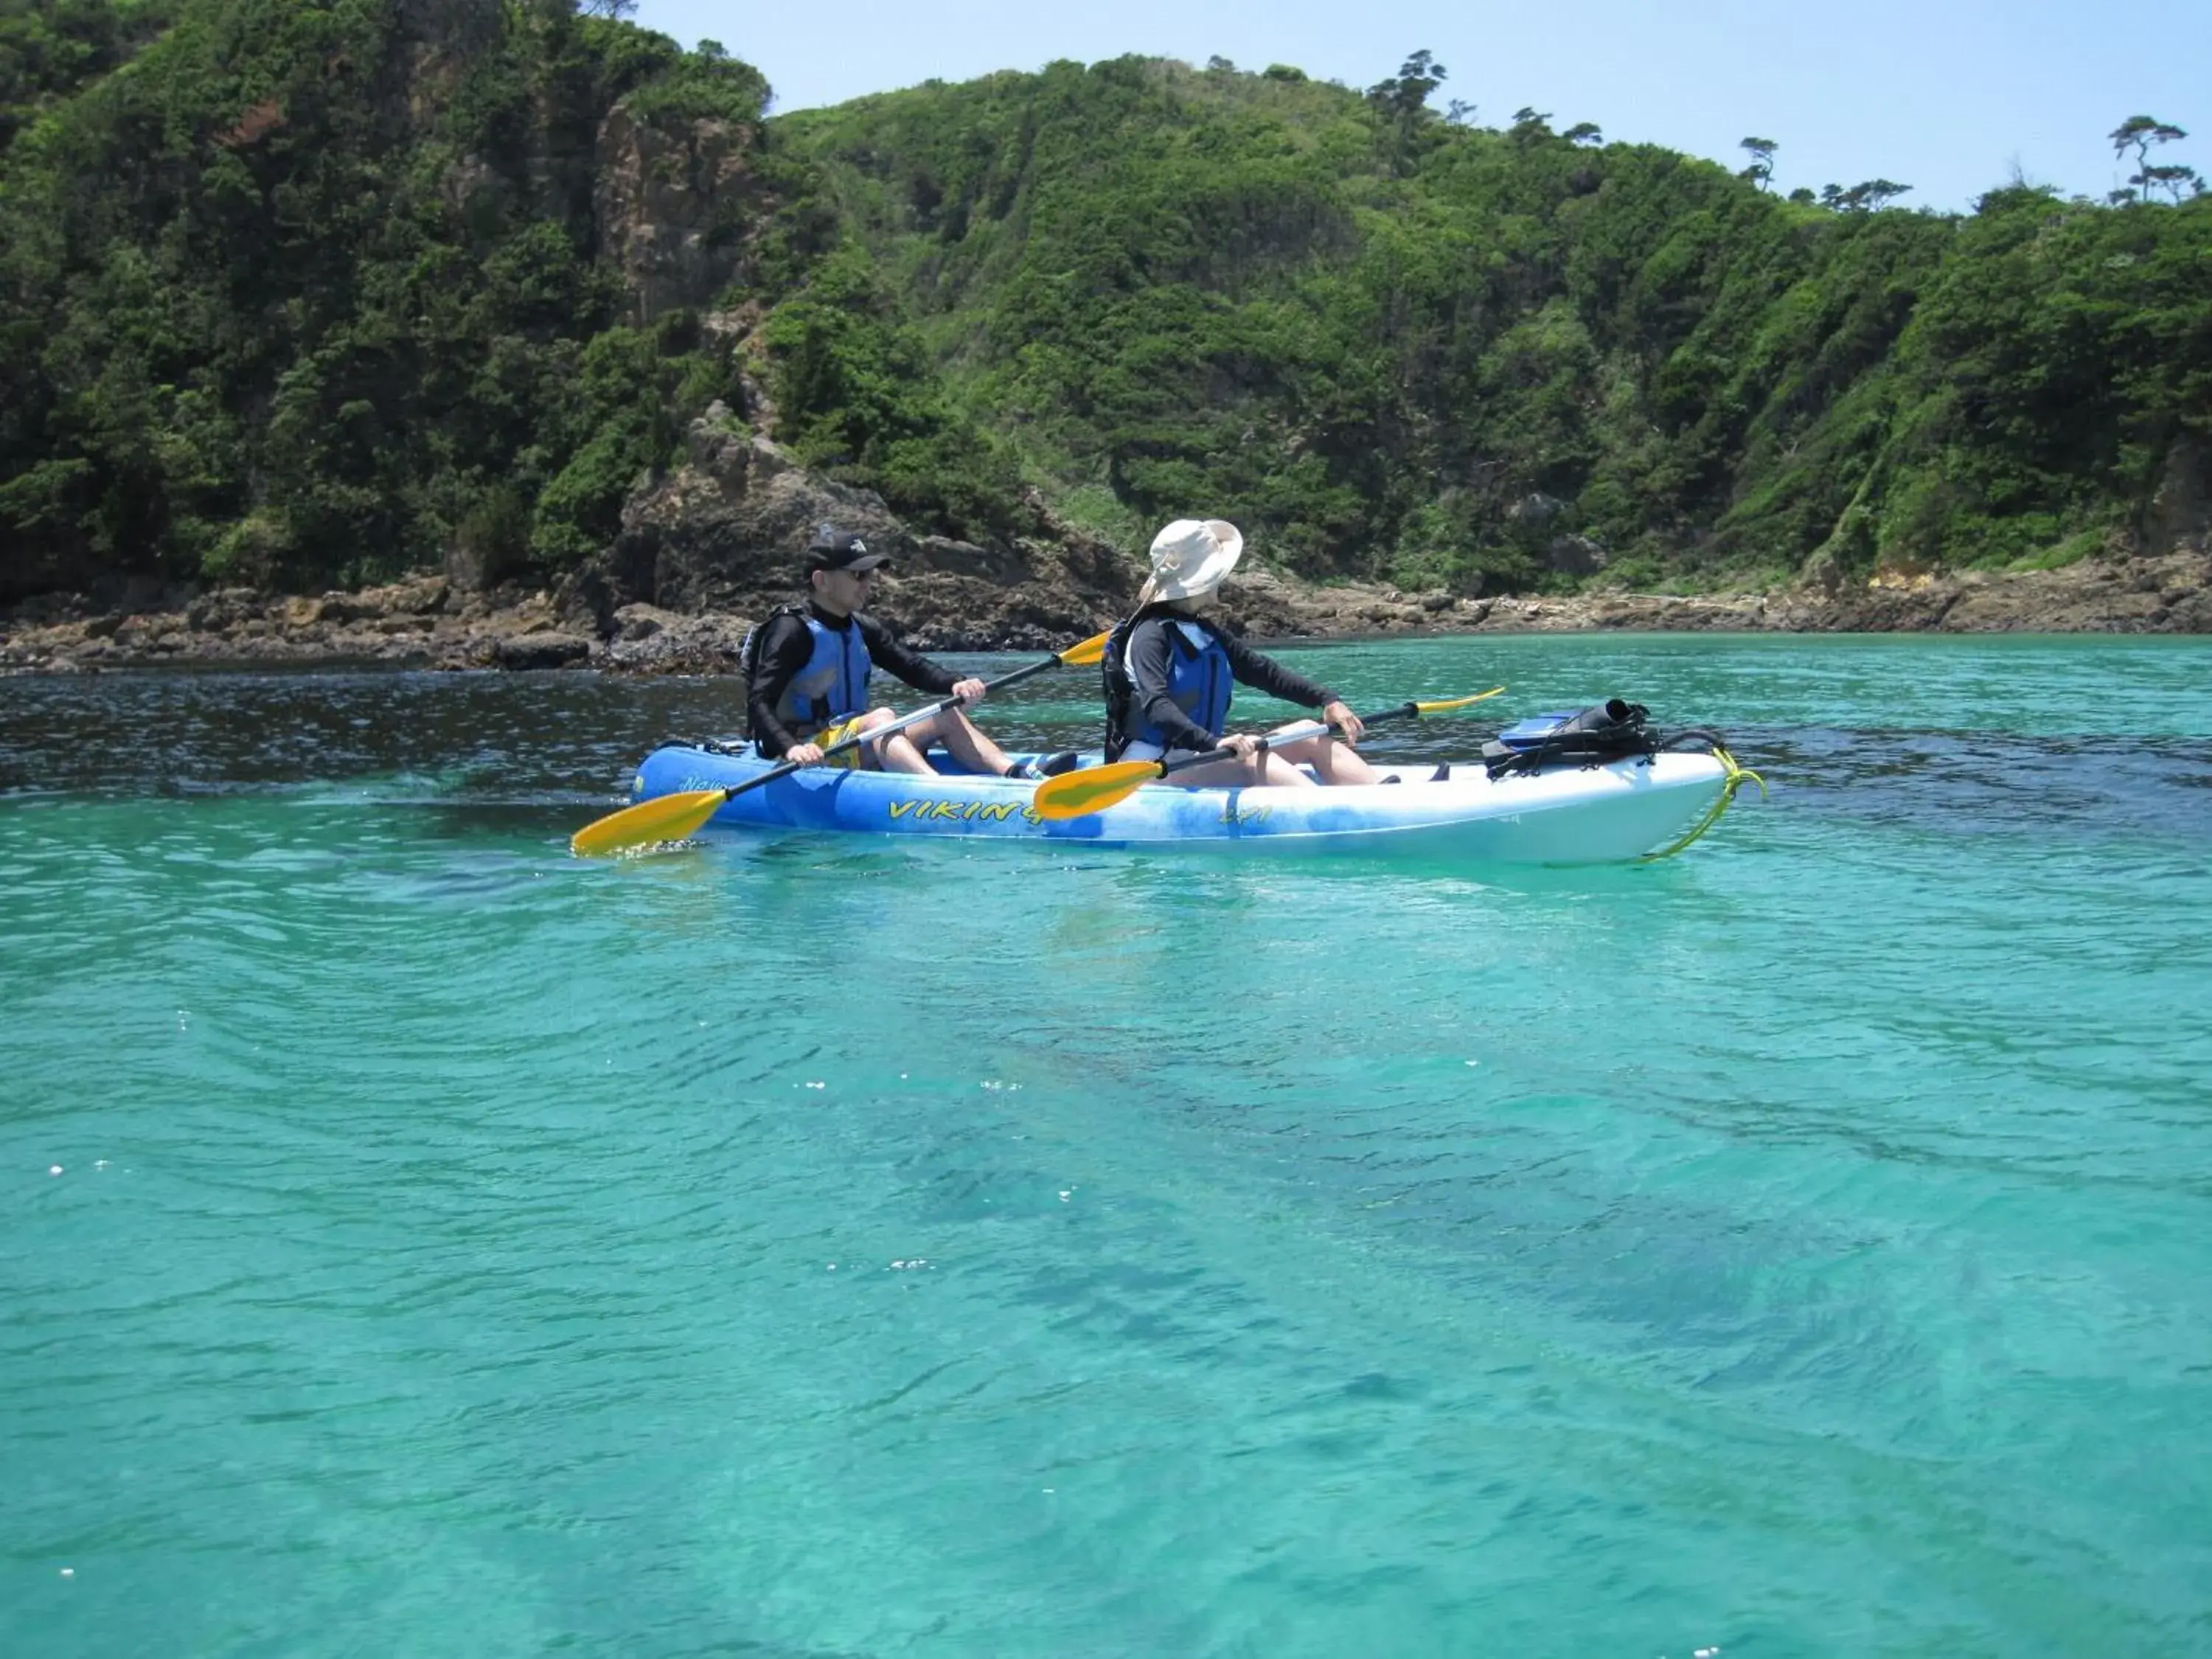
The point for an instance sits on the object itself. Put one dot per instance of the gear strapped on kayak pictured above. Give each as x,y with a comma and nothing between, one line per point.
1613,730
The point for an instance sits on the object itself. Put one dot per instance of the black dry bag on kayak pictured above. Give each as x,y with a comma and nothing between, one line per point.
1609,730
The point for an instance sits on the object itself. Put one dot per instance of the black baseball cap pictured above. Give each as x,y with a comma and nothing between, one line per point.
839,549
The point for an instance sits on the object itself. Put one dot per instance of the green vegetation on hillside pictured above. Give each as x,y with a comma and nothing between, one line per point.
1386,342
50,48
300,293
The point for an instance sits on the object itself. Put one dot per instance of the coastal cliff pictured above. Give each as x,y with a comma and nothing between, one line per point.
510,334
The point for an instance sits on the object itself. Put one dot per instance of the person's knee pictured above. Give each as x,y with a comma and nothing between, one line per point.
875,720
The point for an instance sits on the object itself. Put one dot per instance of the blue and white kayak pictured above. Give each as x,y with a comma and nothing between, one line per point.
1621,809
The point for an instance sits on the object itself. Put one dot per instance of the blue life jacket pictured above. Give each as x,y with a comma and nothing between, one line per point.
833,684
1199,683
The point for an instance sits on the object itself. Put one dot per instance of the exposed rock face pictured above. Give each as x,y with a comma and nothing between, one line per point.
728,533
1575,556
2180,517
2165,593
672,204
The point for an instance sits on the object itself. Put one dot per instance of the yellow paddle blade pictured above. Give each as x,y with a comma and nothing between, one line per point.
1456,702
1076,795
1091,650
664,818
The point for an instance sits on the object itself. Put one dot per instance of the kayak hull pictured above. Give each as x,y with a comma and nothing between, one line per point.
1568,814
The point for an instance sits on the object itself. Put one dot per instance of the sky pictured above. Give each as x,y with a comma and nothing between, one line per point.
1950,97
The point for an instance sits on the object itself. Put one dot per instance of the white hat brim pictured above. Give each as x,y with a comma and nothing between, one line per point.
1213,570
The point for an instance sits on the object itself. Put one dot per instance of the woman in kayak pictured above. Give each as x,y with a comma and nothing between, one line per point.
1170,671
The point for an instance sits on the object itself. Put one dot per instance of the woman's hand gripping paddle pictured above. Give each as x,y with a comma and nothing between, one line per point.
674,817
1078,794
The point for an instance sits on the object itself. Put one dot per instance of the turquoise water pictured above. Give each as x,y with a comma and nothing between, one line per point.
420,1243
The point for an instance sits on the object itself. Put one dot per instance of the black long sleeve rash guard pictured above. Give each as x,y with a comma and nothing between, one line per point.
784,650
1149,655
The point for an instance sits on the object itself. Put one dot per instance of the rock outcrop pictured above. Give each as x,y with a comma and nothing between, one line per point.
420,622
725,535
672,202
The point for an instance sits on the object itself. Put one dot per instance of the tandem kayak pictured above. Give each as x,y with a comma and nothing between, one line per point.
1625,809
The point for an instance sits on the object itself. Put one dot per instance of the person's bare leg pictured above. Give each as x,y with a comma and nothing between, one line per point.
1266,768
1334,761
898,753
962,740
891,754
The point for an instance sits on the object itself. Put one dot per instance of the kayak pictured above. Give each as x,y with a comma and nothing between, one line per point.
1623,808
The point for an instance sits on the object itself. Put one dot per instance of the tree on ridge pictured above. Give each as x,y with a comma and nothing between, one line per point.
1868,196
1761,169
2139,133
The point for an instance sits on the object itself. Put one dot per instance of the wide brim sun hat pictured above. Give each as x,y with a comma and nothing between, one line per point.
1192,557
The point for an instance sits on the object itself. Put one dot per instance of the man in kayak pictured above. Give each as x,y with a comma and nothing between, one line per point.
1170,672
807,667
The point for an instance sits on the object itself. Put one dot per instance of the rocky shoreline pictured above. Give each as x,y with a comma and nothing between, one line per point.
429,623
706,549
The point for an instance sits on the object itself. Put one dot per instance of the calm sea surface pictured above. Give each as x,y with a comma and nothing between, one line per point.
416,1242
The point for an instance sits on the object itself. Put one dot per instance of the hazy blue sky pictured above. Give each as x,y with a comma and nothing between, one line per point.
1945,96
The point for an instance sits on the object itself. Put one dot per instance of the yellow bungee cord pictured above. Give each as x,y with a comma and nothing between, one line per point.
1729,785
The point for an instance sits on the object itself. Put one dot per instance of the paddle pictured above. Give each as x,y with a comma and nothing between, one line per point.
674,817
1078,794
